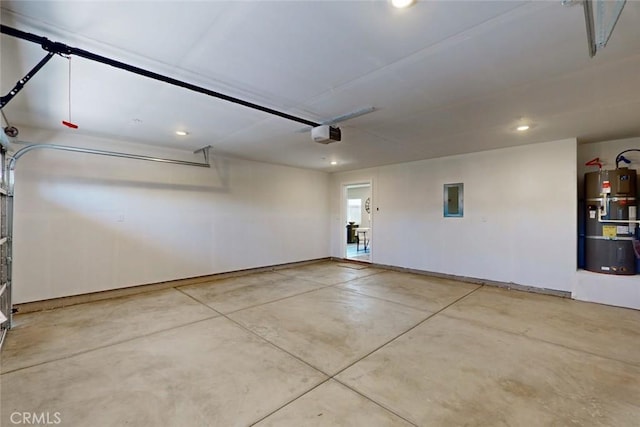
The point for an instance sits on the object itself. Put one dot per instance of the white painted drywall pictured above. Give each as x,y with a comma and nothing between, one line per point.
88,223
623,291
519,221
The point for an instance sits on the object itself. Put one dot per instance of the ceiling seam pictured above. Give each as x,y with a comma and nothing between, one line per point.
438,46
520,87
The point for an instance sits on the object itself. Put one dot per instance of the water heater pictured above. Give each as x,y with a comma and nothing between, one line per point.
611,218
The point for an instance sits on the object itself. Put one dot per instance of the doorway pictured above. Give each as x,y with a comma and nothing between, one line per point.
357,210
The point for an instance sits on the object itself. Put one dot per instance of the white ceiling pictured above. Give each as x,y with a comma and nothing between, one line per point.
445,77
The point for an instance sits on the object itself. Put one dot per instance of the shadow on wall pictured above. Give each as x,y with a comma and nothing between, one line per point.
111,232
99,249
107,225
180,179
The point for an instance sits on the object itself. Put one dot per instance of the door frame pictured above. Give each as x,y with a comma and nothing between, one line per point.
343,214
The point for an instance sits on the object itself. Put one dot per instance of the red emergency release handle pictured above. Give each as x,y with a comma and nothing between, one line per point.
69,124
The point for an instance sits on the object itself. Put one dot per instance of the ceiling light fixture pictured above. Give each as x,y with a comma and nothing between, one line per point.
401,4
333,163
182,133
522,128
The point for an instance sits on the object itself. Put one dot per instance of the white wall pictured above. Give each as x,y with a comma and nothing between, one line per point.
622,291
87,223
519,221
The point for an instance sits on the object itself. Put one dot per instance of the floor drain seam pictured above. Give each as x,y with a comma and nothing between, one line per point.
385,300
235,322
373,401
198,301
408,330
102,347
523,335
291,401
276,300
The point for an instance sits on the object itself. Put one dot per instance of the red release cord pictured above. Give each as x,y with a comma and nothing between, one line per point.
69,124
594,162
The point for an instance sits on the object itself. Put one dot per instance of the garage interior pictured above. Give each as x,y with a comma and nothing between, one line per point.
177,244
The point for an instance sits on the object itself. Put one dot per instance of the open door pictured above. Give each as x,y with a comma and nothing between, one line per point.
358,207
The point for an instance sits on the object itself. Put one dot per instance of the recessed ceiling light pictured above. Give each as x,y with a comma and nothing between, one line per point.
182,133
401,4
522,128
334,163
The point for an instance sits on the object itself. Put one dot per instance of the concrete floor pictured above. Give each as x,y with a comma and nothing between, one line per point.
327,344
